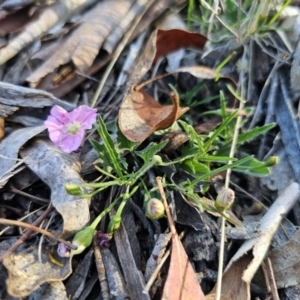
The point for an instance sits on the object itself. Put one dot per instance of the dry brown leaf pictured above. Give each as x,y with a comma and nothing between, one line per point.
50,17
74,80
124,24
286,262
15,21
171,40
181,282
26,273
233,287
84,43
140,114
2,128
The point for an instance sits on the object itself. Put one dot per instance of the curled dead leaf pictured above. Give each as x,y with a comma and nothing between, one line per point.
2,129
140,115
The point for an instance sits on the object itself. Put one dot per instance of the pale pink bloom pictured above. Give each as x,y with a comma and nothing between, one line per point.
66,129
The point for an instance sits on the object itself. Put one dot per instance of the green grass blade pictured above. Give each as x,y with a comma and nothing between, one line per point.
111,154
219,130
253,133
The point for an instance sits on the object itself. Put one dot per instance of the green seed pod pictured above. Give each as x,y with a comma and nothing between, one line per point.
73,189
82,240
224,199
114,224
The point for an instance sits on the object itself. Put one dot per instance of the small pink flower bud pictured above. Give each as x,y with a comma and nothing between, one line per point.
155,209
224,199
63,250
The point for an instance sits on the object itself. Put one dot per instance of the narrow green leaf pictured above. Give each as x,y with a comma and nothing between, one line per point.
253,133
219,130
221,169
193,135
213,158
107,151
234,93
253,167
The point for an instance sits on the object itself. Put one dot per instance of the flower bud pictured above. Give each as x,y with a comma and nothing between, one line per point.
73,189
114,224
82,240
63,250
224,199
155,209
157,160
272,161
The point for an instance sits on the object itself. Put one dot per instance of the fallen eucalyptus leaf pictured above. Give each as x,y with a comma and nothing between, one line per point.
84,43
286,261
50,291
26,273
57,168
9,149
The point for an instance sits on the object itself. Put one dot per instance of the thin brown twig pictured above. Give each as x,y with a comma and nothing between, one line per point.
158,267
37,229
100,269
28,232
270,278
17,191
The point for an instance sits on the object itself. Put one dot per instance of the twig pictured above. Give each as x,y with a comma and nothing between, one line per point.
118,51
42,239
158,267
17,191
37,229
227,180
100,270
270,279
28,232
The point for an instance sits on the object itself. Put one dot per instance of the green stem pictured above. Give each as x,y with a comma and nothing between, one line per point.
103,213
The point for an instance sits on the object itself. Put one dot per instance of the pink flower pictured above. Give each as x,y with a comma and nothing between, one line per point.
66,129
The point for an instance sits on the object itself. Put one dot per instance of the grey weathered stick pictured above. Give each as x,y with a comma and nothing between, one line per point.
268,227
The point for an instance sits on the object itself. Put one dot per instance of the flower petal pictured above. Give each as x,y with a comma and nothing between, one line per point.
60,120
59,113
85,115
70,143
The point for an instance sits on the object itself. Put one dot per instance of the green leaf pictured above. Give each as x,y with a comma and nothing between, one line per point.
218,131
148,153
107,153
253,133
124,144
221,169
213,158
253,167
194,167
191,94
193,135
